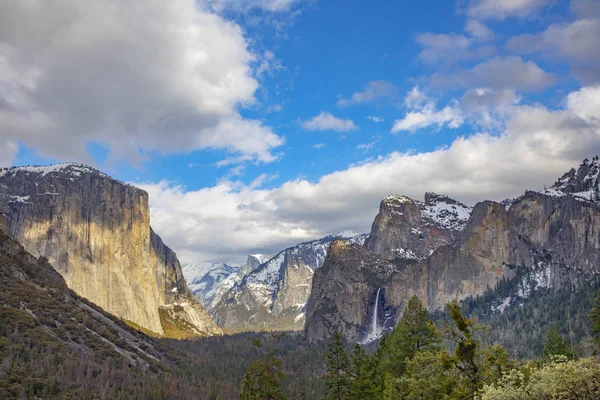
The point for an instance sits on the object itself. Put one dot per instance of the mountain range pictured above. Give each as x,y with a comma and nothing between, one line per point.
95,232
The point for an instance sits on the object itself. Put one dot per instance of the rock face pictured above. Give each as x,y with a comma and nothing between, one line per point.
96,233
36,299
273,296
549,239
410,229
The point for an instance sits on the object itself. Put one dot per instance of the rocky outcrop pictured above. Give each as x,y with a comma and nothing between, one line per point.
344,291
547,240
96,233
273,296
410,229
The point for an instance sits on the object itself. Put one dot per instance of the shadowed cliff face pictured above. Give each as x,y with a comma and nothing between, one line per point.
552,239
96,233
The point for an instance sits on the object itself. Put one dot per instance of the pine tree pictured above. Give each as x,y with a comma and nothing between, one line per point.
555,344
262,380
363,384
466,352
414,333
338,365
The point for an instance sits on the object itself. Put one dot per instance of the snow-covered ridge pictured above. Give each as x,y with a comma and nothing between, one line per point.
43,170
439,210
447,215
311,254
204,279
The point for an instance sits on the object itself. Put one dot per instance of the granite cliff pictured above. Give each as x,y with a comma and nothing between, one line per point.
548,239
95,231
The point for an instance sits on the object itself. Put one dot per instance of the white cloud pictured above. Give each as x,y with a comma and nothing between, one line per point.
8,151
586,8
450,116
502,9
423,113
488,107
136,76
576,42
229,220
415,98
443,47
366,146
327,122
375,119
478,30
498,73
319,146
371,91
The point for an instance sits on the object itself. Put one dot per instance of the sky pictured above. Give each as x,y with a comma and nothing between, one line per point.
258,124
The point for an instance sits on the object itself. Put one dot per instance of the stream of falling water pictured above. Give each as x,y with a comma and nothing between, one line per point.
373,334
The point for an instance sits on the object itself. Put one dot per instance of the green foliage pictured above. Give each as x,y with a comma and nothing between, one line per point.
595,320
414,333
555,344
467,351
363,376
522,328
262,381
560,379
338,368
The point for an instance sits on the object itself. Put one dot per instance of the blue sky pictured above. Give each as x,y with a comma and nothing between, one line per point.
268,122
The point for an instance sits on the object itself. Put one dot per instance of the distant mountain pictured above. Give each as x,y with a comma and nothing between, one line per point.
273,296
539,242
209,281
205,278
95,231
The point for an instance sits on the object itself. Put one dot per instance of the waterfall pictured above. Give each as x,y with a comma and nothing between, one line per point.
374,326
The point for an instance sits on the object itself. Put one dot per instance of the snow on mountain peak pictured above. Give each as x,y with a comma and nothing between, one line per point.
43,170
582,183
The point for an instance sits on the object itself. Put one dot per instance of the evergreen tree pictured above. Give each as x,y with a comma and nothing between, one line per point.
466,352
363,383
555,344
338,365
414,333
263,377
595,320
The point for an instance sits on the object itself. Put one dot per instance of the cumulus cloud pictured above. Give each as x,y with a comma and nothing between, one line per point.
423,113
488,107
327,122
136,76
8,151
371,91
478,30
375,119
586,8
502,9
498,73
450,48
575,42
450,116
229,220
443,47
